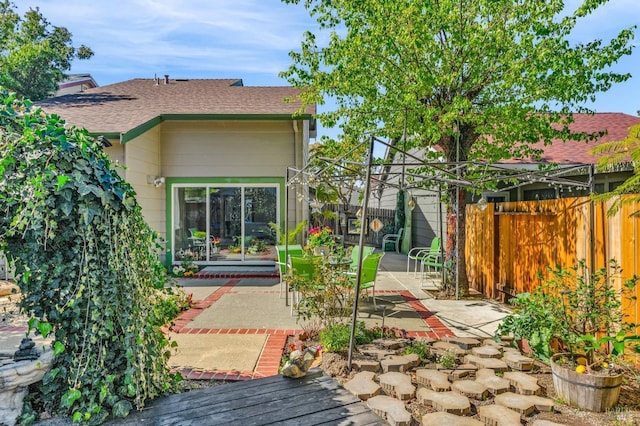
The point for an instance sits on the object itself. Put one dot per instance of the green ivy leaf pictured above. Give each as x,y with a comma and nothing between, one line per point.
61,181
44,328
122,408
33,323
58,348
71,396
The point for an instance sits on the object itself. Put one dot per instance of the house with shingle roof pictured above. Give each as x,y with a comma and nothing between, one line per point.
206,157
573,156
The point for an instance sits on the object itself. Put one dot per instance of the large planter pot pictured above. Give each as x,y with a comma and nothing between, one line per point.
585,391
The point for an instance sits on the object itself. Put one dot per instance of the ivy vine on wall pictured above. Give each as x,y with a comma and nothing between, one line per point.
87,264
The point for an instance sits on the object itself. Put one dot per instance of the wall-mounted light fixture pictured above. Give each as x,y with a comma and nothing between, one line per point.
155,180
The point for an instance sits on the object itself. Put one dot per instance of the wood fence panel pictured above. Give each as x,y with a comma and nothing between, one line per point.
480,242
511,244
629,239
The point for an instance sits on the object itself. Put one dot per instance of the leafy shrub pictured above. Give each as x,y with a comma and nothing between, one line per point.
420,348
87,263
335,338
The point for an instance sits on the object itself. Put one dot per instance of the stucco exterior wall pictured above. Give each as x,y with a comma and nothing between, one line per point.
143,160
227,148
188,149
116,153
235,148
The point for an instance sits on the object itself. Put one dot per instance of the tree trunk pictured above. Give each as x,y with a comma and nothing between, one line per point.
455,261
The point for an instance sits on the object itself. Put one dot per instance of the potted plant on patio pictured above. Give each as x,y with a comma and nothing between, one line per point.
584,311
530,325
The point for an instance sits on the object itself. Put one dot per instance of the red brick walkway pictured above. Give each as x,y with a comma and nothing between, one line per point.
269,360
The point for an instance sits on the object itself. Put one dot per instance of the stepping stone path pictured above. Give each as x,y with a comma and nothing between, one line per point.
434,379
399,363
486,352
466,343
390,409
496,385
447,419
498,415
499,399
470,389
450,402
517,361
398,385
493,363
523,383
363,386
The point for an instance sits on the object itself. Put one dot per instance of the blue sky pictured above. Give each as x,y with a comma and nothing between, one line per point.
248,39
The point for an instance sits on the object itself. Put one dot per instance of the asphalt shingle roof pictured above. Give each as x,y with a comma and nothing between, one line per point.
121,107
616,124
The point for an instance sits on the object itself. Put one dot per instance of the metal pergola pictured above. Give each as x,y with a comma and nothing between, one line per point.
434,174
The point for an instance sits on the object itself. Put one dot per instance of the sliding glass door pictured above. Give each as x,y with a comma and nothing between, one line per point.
225,224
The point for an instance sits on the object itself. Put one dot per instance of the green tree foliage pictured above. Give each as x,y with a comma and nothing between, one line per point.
480,79
617,154
333,161
33,54
87,264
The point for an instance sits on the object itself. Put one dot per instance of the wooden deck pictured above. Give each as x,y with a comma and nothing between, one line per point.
312,400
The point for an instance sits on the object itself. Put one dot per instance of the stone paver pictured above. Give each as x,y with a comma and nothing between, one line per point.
470,389
363,385
496,385
365,365
376,352
523,383
390,409
491,342
450,402
436,380
391,344
465,343
398,385
449,390
517,361
486,352
546,423
498,415
516,402
448,419
493,363
459,372
399,363
442,348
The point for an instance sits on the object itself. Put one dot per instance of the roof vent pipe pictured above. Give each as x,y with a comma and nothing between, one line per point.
166,79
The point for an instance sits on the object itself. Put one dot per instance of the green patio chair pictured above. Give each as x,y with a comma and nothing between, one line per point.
418,254
304,268
431,260
355,251
370,266
282,264
393,239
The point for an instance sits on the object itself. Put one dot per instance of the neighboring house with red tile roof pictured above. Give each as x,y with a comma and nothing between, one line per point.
427,222
207,158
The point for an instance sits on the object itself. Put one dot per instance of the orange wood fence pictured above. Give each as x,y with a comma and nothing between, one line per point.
508,244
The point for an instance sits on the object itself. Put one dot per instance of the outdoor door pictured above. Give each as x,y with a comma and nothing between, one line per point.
225,224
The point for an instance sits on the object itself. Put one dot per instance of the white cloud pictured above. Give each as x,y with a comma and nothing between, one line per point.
248,39
228,38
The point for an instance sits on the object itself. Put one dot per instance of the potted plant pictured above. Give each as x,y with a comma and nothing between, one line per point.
585,312
321,240
530,325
